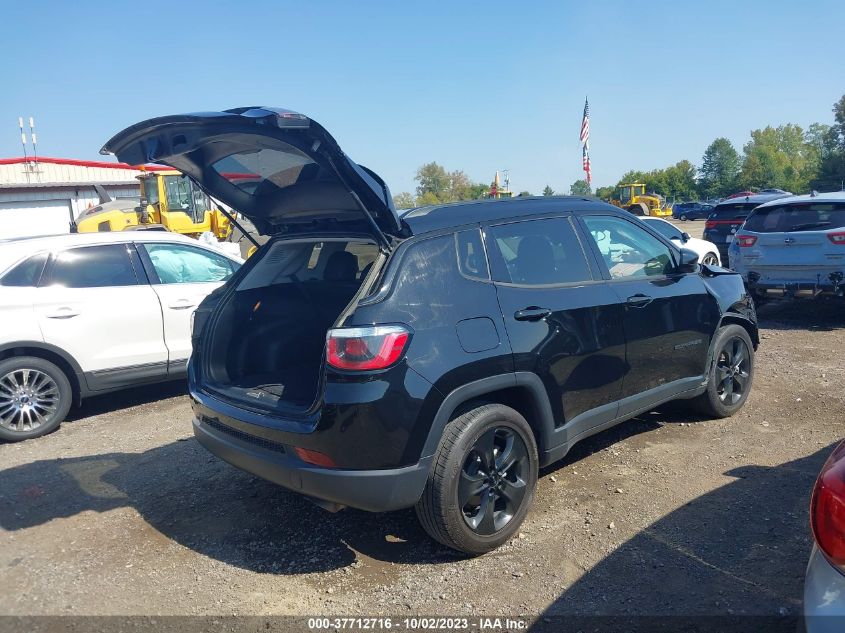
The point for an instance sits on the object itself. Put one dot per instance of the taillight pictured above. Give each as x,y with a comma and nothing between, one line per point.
827,508
837,238
710,224
745,240
314,457
363,348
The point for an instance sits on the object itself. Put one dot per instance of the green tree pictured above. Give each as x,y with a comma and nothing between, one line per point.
523,194
435,183
433,179
778,157
580,188
404,200
678,181
831,149
548,191
606,193
720,167
428,198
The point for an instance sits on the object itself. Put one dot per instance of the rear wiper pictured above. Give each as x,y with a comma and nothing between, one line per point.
808,225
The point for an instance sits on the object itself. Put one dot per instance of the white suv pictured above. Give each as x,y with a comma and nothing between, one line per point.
91,313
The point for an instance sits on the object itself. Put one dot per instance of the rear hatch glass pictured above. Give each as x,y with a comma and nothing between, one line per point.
816,216
731,211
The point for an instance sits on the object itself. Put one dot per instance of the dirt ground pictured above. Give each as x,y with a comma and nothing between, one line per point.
122,512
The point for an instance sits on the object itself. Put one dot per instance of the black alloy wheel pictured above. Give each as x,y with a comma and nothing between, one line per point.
492,482
733,370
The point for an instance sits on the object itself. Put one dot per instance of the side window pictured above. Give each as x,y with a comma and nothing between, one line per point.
180,264
93,267
27,273
537,252
178,192
628,250
471,258
151,189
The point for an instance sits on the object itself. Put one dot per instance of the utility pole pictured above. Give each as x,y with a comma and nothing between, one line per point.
23,144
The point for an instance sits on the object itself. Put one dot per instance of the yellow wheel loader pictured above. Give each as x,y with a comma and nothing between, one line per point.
168,200
634,198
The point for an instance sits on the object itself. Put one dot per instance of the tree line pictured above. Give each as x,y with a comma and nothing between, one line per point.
786,157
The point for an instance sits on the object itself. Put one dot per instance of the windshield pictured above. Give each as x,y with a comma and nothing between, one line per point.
797,217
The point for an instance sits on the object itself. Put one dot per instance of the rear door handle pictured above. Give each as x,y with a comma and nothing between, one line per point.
62,313
639,301
181,304
532,313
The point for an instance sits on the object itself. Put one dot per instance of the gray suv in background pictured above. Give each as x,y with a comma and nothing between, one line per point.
793,247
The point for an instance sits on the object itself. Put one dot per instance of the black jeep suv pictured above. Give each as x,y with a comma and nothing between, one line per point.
436,359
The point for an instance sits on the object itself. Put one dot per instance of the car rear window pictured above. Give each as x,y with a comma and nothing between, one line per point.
260,171
732,210
815,216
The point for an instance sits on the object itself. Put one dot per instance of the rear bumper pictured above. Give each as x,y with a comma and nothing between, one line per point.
824,596
771,285
372,490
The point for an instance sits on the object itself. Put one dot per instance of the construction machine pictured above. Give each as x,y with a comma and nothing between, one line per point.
633,198
169,201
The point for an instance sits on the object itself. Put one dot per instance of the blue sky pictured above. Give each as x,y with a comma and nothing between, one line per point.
474,86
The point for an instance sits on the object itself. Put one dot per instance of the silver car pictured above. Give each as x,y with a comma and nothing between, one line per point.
824,585
793,247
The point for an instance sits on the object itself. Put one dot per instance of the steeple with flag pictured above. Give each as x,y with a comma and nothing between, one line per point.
585,141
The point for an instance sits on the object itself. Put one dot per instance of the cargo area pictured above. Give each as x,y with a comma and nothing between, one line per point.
267,347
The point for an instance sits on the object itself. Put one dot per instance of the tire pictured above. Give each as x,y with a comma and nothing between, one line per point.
684,217
711,259
461,457
721,400
638,209
25,380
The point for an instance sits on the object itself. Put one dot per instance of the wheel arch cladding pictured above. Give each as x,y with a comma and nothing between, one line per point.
522,391
67,364
751,328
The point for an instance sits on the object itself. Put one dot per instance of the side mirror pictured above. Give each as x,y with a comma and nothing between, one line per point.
687,237
688,262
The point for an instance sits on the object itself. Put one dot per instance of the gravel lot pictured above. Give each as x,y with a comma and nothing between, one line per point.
122,512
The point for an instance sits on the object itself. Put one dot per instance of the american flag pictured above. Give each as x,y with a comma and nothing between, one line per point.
586,164
585,124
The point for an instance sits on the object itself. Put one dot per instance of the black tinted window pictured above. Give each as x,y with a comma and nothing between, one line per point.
255,171
471,258
818,216
27,273
94,267
538,252
730,211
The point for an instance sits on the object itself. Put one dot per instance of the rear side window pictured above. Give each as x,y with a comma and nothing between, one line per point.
27,273
93,267
797,217
537,253
471,258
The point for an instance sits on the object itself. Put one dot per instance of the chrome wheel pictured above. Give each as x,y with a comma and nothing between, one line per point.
492,482
28,398
733,368
710,259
